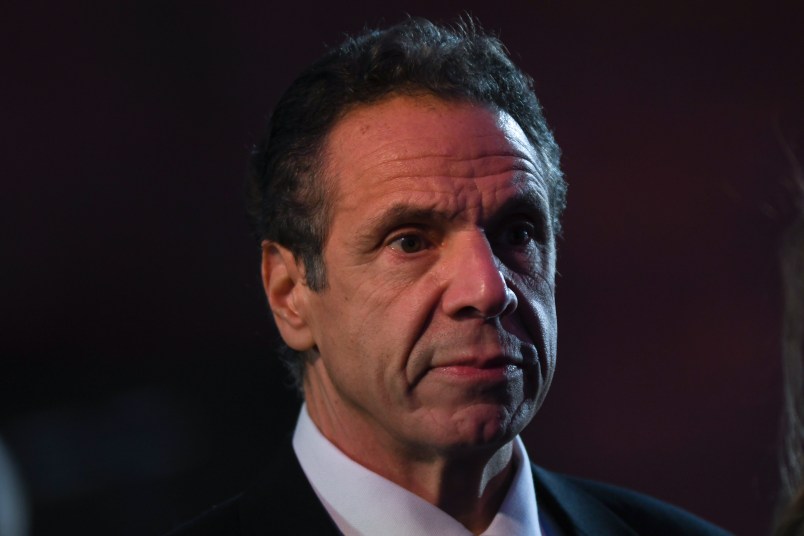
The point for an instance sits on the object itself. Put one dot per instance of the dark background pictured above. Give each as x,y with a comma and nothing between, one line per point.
138,382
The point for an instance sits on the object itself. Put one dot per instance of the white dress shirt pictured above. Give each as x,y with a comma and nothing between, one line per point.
364,503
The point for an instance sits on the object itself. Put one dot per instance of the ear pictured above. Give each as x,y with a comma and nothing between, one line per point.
286,290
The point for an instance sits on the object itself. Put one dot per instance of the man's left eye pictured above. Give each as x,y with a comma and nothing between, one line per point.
519,234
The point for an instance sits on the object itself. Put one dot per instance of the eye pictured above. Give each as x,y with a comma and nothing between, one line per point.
409,243
519,233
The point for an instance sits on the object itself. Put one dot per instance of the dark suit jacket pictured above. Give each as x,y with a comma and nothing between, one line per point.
283,502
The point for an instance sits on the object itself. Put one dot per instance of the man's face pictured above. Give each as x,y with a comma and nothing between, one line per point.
436,330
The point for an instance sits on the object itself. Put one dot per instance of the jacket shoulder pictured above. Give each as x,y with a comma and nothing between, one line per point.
279,501
641,513
220,520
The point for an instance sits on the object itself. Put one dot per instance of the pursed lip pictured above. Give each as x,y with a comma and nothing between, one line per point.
478,362
482,369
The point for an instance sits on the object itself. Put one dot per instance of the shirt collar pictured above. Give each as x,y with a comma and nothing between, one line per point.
363,502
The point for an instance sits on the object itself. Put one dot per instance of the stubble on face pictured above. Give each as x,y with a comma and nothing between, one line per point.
436,332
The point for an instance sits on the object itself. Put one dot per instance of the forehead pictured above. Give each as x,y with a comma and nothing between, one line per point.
427,145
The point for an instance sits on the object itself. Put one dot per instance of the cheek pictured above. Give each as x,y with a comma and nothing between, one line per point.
536,313
371,326
397,301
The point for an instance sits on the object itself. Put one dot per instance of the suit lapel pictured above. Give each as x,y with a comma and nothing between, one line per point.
283,502
573,509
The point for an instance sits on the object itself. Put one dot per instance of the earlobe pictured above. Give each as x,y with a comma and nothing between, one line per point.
285,288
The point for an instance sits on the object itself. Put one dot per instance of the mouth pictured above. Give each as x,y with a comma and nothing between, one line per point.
495,369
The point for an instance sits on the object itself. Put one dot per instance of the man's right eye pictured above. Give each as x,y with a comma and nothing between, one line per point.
409,243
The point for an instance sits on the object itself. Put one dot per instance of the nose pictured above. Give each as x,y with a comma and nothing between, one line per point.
477,287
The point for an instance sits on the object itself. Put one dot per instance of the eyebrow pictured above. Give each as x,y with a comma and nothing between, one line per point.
529,198
401,213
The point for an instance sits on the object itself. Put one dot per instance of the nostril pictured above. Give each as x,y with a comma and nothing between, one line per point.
511,302
480,295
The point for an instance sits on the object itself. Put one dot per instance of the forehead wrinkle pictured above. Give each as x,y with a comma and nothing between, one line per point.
412,149
449,148
438,167
366,156
440,209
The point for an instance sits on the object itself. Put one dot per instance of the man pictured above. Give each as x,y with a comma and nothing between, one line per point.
407,198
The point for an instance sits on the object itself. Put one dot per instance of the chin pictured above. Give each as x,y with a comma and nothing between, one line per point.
485,426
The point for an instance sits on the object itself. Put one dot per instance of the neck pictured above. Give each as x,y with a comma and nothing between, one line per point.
470,488
468,484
